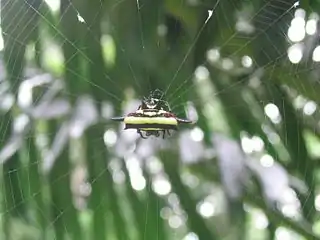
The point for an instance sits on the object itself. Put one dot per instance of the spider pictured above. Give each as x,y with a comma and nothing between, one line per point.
154,101
153,117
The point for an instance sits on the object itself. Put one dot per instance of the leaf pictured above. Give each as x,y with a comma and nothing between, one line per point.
37,97
276,217
232,165
55,109
195,222
191,151
84,116
16,32
59,143
269,43
7,99
153,204
274,180
292,132
234,178
21,129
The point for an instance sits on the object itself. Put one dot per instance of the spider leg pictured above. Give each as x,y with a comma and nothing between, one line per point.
117,118
163,134
168,106
168,131
139,131
165,106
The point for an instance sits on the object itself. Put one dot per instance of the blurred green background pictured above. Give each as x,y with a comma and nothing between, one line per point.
246,72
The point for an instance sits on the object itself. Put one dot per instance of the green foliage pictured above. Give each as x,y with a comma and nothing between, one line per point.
68,172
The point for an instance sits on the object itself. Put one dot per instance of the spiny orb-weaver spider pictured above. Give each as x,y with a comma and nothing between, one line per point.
152,117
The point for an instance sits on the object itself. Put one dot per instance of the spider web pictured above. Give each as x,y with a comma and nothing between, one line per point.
184,89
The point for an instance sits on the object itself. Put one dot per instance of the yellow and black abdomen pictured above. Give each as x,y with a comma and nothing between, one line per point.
151,123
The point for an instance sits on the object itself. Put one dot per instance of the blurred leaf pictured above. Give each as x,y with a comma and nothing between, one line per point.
308,86
58,108
195,222
295,143
20,30
100,201
97,167
231,161
190,150
35,186
159,44
275,216
271,24
154,222
64,216
274,180
234,176
59,143
240,109
85,115
137,206
22,127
